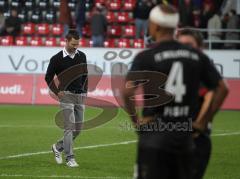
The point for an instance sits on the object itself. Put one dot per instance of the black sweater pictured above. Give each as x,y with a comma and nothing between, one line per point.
71,73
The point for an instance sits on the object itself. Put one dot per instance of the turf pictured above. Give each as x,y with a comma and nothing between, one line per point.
30,129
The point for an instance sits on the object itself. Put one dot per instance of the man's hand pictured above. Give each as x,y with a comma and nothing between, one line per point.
201,127
145,120
198,128
60,94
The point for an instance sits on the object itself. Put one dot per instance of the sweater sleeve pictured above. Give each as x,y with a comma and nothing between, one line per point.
49,77
85,76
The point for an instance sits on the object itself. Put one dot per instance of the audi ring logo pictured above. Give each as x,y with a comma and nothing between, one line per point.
112,55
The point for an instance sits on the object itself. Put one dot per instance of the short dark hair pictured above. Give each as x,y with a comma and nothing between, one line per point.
193,33
72,33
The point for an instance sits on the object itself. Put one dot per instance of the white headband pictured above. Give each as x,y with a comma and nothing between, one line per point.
162,19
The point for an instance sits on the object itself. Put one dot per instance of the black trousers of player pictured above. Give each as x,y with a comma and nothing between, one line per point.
202,154
157,164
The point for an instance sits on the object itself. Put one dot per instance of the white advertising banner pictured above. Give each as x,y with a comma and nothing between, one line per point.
34,60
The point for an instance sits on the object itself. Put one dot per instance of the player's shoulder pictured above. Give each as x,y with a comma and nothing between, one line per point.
81,53
57,56
142,56
142,61
82,56
201,55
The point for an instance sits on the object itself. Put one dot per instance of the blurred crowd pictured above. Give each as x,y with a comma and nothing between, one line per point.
218,19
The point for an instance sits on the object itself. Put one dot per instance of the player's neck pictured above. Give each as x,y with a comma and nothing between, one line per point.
164,37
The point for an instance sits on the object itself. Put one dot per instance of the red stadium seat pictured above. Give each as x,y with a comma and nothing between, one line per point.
109,43
84,42
62,42
6,40
99,2
90,43
128,5
57,29
36,41
123,17
138,43
50,42
114,30
86,31
129,31
124,43
42,29
114,6
21,41
111,17
28,29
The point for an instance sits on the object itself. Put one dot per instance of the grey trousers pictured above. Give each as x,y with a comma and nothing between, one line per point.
73,115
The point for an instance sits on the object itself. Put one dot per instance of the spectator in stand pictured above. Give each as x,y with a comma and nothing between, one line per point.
227,5
196,17
233,23
65,16
98,27
224,25
197,8
80,16
141,13
214,25
2,21
12,25
207,13
102,6
217,5
197,4
185,10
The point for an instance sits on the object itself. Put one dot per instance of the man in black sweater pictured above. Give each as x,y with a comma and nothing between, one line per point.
69,65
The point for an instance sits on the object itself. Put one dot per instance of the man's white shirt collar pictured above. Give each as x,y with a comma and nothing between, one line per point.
65,53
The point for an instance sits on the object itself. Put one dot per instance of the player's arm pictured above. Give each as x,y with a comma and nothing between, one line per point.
85,76
207,99
213,80
49,77
219,96
130,87
212,103
129,101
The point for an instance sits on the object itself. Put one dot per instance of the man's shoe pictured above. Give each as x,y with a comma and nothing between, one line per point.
72,163
57,154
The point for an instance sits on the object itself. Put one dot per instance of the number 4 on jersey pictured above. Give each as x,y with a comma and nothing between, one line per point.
175,83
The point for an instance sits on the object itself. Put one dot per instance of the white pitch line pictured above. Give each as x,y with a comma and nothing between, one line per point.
27,126
76,148
60,176
226,134
100,145
45,126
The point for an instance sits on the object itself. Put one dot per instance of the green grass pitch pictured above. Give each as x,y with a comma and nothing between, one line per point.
31,129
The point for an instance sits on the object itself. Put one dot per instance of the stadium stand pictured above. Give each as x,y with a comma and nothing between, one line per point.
40,25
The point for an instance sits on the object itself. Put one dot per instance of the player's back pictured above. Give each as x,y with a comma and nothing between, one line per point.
185,69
